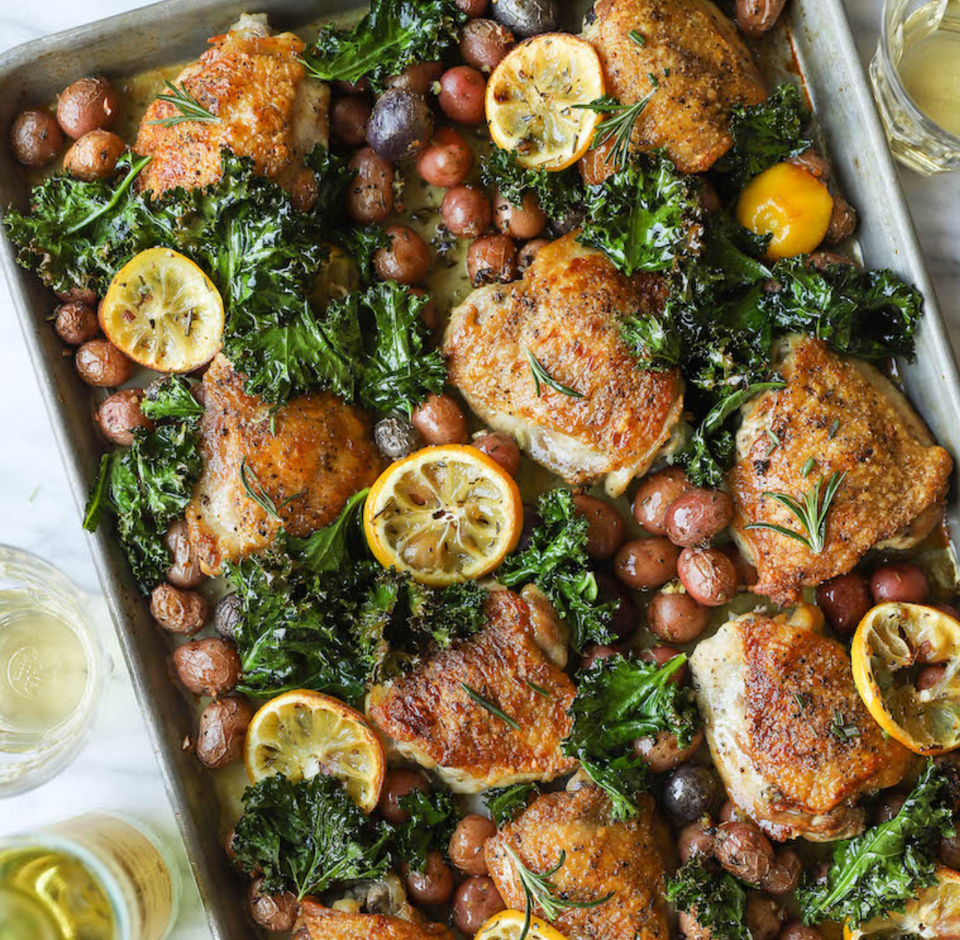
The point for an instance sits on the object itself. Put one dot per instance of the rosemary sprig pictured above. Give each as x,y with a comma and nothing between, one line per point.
490,707
190,109
118,193
812,513
537,890
840,729
541,375
254,489
618,125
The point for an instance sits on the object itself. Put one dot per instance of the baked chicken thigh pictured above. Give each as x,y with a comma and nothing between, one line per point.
434,716
266,107
601,857
315,451
836,415
316,922
563,318
692,65
788,732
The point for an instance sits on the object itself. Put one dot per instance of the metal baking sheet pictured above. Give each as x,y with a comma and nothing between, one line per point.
175,31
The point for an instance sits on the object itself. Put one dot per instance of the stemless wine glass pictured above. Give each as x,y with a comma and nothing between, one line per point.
916,141
50,670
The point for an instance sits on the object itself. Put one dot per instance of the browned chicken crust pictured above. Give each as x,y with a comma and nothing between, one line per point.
789,734
846,417
700,66
316,922
566,311
314,448
603,857
435,721
268,111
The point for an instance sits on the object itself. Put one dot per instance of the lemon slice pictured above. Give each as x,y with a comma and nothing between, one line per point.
508,925
935,913
444,514
532,100
301,734
163,312
884,660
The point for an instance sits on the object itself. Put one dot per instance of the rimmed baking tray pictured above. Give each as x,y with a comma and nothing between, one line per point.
175,31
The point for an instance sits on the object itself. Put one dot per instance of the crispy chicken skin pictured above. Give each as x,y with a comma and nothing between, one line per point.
846,416
268,109
316,922
699,63
776,697
603,857
566,312
432,719
317,446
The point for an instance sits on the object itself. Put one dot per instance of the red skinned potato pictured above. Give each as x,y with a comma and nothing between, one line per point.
756,17
88,104
207,667
223,726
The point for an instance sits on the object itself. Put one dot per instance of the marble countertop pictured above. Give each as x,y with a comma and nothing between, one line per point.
117,768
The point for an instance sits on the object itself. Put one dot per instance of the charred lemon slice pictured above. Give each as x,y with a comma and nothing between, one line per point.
301,734
890,646
535,99
444,514
508,925
935,913
163,312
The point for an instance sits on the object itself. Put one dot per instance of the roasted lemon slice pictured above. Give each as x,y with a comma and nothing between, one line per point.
301,734
886,648
163,312
444,514
935,913
508,925
535,97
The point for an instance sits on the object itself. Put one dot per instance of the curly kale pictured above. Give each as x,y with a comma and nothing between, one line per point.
148,485
392,35
433,817
889,864
398,372
644,217
506,803
170,397
620,699
766,133
714,898
308,837
559,194
556,561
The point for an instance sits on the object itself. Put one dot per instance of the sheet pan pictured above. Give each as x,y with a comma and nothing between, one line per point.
176,30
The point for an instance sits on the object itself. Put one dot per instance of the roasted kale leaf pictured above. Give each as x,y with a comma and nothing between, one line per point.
433,817
170,397
392,35
766,133
644,216
714,898
620,699
308,837
556,561
889,864
146,486
559,194
399,372
506,803
319,613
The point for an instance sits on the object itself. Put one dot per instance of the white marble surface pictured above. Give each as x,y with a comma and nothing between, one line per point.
117,768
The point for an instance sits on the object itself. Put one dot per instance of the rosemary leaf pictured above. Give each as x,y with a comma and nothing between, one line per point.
541,375
490,707
190,109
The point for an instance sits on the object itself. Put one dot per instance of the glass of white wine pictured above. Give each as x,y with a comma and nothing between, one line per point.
102,876
916,81
50,670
